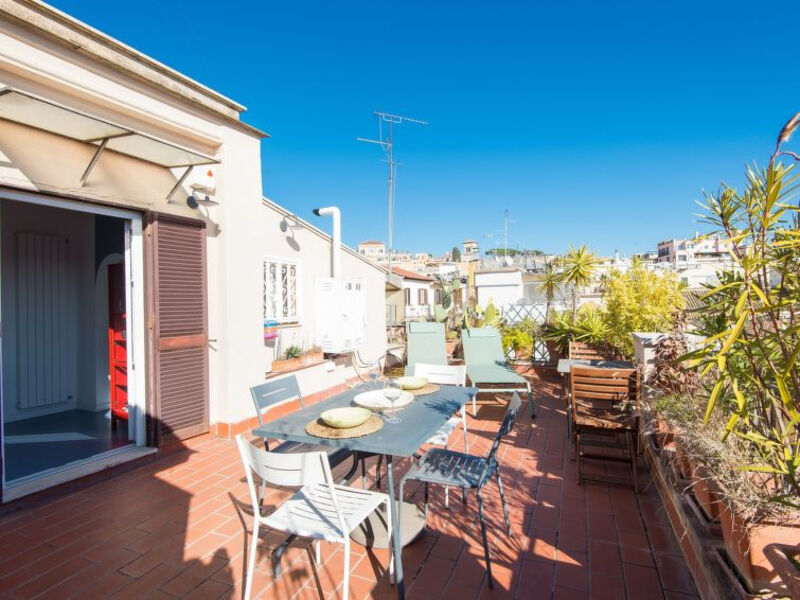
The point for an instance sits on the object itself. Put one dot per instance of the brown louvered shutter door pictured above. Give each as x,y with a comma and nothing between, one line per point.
180,333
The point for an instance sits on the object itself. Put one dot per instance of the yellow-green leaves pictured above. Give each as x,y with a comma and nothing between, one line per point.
712,399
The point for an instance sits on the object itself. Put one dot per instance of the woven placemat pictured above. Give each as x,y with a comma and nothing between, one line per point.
318,428
428,388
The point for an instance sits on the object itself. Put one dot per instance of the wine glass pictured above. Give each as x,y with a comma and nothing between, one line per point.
374,376
392,390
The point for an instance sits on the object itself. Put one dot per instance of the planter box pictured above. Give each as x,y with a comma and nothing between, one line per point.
312,358
746,544
286,364
702,487
780,556
292,364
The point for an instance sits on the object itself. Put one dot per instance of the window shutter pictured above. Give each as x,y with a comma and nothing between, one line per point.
180,333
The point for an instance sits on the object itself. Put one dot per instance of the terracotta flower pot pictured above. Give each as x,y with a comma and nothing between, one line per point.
450,346
682,458
311,358
663,432
553,352
785,560
703,492
286,364
746,543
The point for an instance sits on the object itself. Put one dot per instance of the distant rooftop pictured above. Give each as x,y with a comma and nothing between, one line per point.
405,274
371,243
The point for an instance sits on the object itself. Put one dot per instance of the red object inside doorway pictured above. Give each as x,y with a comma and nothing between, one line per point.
117,344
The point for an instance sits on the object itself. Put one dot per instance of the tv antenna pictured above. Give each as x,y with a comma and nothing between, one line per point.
386,142
506,222
504,231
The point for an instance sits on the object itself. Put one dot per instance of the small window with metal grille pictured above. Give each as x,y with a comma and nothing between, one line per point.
282,299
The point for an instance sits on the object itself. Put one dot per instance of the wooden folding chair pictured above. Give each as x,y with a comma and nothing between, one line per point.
605,405
584,351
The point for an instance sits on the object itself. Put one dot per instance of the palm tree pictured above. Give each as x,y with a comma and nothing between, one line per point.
549,284
577,268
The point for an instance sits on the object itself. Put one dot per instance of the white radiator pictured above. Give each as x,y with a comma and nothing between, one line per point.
41,297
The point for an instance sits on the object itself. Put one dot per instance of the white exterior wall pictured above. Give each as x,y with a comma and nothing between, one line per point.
501,288
39,161
311,249
414,309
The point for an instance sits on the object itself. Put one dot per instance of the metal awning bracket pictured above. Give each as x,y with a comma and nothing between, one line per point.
178,183
93,162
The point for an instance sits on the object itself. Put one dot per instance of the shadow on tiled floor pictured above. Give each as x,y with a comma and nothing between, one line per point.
175,529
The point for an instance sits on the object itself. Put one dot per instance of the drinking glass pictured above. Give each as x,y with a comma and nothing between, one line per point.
392,390
374,376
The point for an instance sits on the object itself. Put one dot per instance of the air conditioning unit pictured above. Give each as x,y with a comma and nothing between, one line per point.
340,314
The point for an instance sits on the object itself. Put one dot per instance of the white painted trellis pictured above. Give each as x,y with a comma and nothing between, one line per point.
520,311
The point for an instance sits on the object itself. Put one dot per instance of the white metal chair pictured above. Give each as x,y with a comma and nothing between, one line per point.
320,509
446,375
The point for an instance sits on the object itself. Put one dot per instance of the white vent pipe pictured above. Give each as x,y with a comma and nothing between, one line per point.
336,250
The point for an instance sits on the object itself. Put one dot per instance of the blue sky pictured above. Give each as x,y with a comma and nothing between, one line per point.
595,123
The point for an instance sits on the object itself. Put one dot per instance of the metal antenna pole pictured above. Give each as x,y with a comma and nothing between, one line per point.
387,145
505,235
390,236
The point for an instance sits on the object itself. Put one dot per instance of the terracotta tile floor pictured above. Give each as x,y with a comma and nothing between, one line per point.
174,528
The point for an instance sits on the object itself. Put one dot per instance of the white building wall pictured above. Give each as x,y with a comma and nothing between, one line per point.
501,288
414,309
36,160
311,249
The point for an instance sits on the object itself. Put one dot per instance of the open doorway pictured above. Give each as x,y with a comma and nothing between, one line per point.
69,392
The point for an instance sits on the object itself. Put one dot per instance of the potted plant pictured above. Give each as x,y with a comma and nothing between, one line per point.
557,333
587,327
517,343
451,341
289,361
752,321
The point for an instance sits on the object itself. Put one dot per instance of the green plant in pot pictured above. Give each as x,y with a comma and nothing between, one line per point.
518,340
753,358
588,326
293,352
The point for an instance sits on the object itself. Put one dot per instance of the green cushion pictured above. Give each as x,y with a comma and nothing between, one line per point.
425,344
493,374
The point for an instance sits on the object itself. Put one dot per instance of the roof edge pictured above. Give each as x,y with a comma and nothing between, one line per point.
316,230
56,25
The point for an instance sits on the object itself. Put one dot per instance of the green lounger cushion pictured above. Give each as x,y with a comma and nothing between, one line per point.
493,374
425,344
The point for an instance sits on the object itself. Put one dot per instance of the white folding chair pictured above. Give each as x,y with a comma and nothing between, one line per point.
320,509
445,375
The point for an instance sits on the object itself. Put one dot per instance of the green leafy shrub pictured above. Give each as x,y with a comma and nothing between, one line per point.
639,300
591,327
752,320
588,326
517,339
560,330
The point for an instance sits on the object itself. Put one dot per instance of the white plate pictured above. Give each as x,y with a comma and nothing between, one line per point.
376,400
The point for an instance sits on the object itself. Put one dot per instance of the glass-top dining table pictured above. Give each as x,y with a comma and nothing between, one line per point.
418,421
